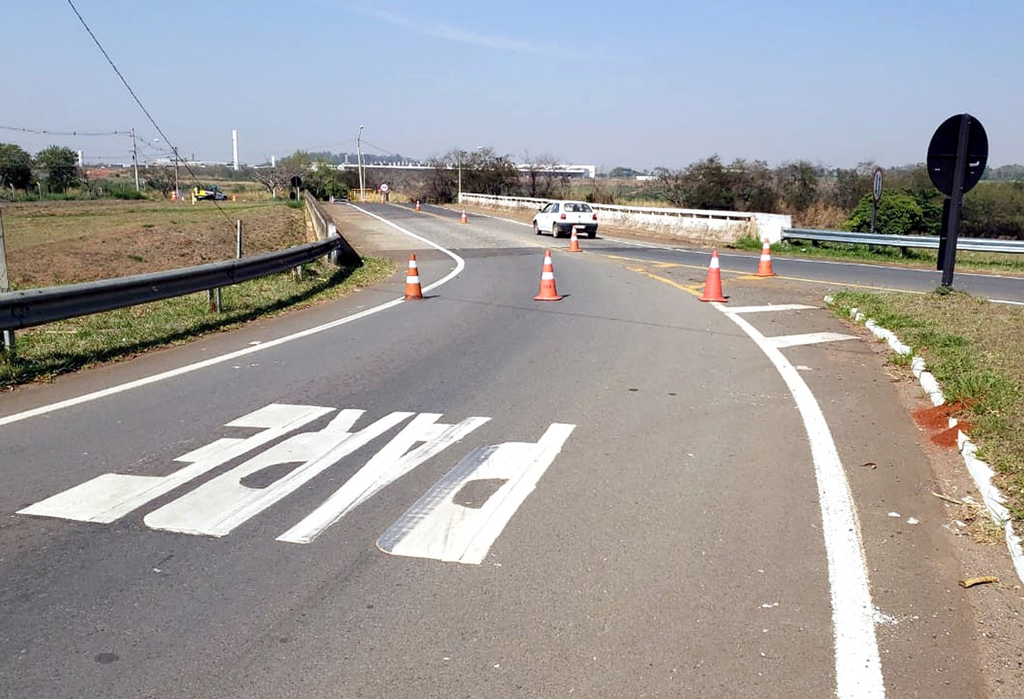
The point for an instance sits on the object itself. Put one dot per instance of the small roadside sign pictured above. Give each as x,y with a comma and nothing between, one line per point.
384,187
877,189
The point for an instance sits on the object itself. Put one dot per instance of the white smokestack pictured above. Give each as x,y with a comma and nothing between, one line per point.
81,161
273,161
234,147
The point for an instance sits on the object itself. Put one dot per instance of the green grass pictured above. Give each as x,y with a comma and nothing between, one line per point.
58,348
973,347
909,257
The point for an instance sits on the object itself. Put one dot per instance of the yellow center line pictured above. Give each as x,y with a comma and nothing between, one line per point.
749,277
693,289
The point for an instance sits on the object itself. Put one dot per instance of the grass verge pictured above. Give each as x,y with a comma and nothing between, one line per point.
909,257
47,351
973,348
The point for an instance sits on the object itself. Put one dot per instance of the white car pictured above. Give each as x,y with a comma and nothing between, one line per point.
560,217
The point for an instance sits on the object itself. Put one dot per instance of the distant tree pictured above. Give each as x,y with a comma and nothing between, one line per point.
706,184
324,180
538,179
798,184
851,185
280,175
621,172
59,166
159,177
994,210
15,167
898,214
753,187
1013,173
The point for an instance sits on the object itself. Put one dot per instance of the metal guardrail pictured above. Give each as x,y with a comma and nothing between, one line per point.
31,307
903,241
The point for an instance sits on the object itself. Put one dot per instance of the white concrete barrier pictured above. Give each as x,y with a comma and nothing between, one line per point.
689,224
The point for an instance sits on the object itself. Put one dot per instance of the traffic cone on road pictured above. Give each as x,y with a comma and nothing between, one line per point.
548,292
413,292
713,285
574,243
464,219
418,205
764,267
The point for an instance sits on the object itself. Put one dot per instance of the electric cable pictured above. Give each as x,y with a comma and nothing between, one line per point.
143,107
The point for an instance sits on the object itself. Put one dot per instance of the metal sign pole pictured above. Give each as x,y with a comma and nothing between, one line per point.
956,202
876,194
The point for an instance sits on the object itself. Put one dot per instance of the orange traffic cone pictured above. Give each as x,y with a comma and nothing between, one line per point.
764,267
713,285
418,205
574,243
464,219
413,292
548,292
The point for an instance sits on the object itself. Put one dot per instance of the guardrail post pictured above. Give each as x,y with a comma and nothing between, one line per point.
7,343
213,299
4,282
238,239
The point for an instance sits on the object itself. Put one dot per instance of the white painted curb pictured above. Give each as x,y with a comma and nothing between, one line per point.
980,471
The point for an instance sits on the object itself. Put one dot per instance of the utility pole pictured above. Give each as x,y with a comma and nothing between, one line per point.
135,159
177,192
359,156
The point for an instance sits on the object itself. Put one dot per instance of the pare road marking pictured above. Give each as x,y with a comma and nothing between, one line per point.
467,527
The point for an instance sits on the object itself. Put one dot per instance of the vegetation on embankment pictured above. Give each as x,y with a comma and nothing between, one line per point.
972,346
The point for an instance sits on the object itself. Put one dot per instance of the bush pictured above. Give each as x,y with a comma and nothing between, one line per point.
898,214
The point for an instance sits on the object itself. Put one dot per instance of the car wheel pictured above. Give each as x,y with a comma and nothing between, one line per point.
554,231
536,228
591,234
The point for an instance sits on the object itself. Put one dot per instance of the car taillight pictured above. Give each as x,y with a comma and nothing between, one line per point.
563,217
595,217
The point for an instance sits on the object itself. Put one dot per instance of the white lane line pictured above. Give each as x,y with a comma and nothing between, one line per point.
770,308
388,465
858,665
1008,303
446,527
460,264
782,341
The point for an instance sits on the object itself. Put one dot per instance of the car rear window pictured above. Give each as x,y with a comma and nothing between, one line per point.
577,208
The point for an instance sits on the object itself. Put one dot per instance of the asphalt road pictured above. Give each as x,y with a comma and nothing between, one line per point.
632,496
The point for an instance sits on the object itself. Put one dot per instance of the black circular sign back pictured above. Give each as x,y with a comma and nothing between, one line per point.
942,154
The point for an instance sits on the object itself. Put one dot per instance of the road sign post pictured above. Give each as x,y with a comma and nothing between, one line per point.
957,156
876,194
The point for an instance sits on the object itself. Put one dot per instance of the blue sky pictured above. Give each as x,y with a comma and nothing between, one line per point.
645,84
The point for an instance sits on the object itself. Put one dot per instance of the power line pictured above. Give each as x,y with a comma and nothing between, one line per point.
65,133
143,107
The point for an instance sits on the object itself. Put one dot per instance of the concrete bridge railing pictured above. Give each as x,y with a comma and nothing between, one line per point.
686,224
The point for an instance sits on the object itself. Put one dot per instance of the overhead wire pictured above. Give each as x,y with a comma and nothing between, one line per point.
145,111
65,133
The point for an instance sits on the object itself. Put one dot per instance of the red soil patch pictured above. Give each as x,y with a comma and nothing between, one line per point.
936,419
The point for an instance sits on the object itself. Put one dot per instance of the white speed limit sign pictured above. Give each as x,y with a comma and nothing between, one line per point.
384,187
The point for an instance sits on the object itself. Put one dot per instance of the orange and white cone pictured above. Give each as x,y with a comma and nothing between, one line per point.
418,205
464,219
413,292
574,243
713,285
548,292
764,267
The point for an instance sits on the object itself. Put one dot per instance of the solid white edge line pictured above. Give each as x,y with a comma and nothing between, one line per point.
460,264
981,473
857,661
